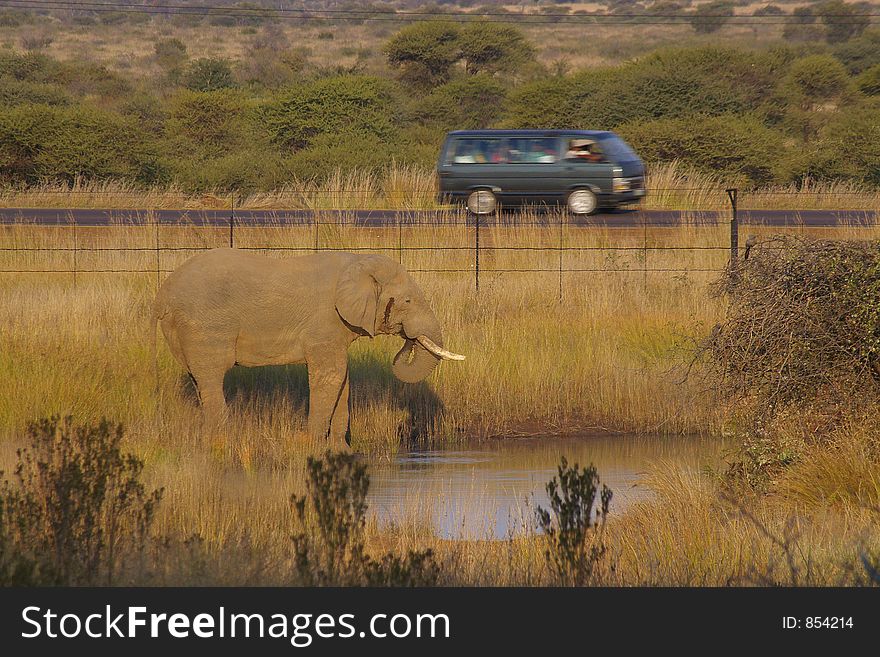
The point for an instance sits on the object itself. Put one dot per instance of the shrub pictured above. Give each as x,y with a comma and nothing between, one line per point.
861,53
36,41
329,546
847,147
842,20
208,74
869,81
803,322
816,79
76,508
425,51
490,47
736,147
574,539
802,26
170,53
356,105
472,102
17,92
210,122
39,142
710,17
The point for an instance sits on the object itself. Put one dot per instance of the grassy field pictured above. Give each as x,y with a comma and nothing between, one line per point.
605,356
671,186
347,45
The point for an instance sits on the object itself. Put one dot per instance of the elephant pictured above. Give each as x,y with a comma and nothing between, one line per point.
229,307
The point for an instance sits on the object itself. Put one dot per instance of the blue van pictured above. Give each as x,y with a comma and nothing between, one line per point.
583,169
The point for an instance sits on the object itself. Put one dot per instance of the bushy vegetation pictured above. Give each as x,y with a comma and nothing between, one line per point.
329,547
799,351
574,536
76,508
778,115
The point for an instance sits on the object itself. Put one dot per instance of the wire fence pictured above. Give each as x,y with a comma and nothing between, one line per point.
155,242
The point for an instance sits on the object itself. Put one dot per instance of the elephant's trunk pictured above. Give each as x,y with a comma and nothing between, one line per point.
414,362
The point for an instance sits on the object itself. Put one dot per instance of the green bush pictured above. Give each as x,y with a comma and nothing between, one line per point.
331,152
491,47
19,92
736,147
425,51
209,122
847,148
869,81
64,143
356,105
861,53
76,509
208,74
472,102
710,17
842,20
170,53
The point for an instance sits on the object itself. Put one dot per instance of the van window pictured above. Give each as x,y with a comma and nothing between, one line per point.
617,149
477,151
543,150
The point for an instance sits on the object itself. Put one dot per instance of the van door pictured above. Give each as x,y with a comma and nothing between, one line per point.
533,171
473,162
585,165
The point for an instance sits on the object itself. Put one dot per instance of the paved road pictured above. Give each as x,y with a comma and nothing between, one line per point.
620,218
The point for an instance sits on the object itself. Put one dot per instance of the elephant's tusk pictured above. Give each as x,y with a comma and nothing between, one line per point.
437,350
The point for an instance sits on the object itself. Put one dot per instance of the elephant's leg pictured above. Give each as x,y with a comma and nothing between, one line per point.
209,384
328,395
340,424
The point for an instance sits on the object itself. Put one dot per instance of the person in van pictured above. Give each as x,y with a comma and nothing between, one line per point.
583,149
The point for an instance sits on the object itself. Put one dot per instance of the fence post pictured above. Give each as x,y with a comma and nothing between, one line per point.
73,219
561,246
232,220
158,268
315,220
734,229
477,252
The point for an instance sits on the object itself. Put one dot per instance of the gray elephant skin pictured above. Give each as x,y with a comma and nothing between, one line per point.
229,307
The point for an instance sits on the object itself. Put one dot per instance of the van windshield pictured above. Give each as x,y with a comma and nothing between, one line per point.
617,149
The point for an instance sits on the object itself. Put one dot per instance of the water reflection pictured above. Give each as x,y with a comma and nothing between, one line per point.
491,491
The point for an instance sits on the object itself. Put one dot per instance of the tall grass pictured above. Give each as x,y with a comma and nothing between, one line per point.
671,186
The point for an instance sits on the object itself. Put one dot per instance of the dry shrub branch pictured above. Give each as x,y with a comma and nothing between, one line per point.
803,324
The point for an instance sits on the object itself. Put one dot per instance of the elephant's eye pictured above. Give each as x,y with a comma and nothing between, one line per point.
406,300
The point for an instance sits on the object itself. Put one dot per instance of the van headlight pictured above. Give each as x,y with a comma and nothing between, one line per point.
620,185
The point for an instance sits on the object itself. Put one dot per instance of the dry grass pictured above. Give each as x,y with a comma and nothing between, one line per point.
671,186
602,357
130,48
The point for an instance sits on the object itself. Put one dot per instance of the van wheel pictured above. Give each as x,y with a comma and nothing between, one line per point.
482,201
582,201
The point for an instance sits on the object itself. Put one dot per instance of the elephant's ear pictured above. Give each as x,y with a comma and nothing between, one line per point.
357,294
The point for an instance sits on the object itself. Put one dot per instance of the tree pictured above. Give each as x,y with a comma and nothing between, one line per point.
801,26
769,10
709,17
425,51
842,21
490,47
813,85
